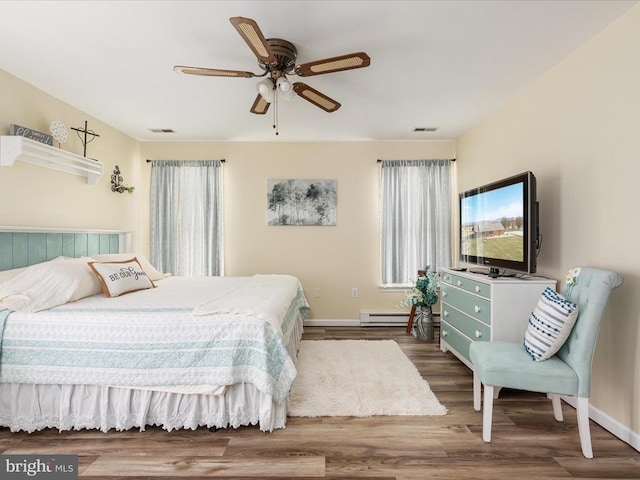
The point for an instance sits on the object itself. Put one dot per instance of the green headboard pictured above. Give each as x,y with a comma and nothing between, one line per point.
20,248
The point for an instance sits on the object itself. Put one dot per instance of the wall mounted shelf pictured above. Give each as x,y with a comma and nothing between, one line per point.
14,147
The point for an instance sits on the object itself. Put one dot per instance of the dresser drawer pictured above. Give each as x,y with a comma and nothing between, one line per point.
472,328
467,284
454,338
472,305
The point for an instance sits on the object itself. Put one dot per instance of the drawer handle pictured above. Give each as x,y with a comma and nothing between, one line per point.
476,309
459,283
445,333
445,313
478,289
478,334
444,294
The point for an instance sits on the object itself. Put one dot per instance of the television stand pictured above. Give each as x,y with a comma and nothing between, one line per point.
497,274
479,308
492,272
479,271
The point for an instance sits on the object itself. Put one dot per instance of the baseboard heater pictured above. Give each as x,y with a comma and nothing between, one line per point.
382,319
376,319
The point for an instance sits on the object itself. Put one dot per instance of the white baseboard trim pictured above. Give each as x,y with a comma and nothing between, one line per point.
621,431
319,322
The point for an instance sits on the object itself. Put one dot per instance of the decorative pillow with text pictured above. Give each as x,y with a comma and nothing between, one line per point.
118,278
153,274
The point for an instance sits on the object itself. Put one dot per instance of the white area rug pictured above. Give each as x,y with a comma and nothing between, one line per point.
358,378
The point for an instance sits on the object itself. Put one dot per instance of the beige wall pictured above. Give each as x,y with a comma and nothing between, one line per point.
577,129
31,195
329,261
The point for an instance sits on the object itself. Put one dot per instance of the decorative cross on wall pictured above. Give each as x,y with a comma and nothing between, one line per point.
86,132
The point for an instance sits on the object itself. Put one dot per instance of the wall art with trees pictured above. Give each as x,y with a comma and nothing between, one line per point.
301,202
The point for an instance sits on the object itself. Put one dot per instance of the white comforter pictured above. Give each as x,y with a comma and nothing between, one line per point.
263,296
151,338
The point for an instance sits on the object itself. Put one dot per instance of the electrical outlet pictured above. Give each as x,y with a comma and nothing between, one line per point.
354,292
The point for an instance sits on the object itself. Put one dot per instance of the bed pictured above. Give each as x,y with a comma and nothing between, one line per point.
187,352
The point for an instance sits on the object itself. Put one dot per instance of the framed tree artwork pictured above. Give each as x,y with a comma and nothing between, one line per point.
301,202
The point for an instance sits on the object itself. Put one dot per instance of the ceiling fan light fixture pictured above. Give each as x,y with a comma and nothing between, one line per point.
288,96
283,84
265,88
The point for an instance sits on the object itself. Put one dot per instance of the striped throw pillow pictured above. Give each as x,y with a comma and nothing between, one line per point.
549,325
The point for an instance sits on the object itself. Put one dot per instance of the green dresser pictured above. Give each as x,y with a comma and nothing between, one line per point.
476,308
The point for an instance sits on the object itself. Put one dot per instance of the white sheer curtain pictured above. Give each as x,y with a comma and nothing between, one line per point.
415,218
186,217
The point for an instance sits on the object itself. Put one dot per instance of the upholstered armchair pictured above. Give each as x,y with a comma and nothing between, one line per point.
567,372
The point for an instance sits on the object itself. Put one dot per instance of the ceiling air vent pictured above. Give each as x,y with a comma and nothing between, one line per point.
425,129
162,130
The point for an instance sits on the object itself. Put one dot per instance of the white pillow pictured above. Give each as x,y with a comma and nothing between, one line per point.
153,274
7,275
549,325
118,278
49,284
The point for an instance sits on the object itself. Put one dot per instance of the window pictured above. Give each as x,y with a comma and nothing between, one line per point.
186,217
415,218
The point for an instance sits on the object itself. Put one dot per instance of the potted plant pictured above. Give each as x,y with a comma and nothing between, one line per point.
423,295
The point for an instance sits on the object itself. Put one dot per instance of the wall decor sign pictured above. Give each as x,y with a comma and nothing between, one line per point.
21,131
301,202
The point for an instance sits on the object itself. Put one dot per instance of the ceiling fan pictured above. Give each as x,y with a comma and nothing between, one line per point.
277,58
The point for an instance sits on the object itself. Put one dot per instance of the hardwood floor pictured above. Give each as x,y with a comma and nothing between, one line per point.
527,441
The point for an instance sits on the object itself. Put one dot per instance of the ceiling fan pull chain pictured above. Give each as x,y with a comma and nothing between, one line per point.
275,111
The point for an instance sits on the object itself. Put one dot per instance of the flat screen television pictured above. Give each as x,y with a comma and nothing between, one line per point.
499,226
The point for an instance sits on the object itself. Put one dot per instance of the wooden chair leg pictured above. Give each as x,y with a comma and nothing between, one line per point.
582,412
557,407
487,413
410,322
477,392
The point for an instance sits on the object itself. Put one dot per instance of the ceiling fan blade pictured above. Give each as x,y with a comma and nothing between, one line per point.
314,96
250,32
260,106
334,64
212,72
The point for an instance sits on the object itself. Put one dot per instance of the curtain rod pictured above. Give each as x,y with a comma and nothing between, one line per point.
149,160
451,159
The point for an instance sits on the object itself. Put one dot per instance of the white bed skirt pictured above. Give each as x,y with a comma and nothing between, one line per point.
30,407
74,407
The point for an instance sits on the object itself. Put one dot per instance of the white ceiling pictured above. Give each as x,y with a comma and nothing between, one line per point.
444,64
